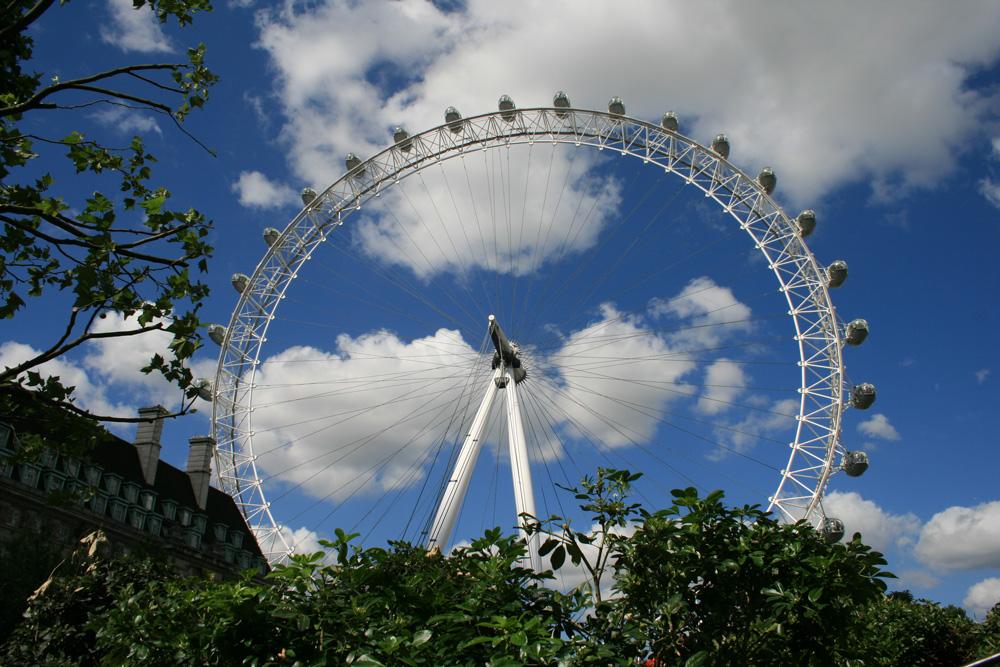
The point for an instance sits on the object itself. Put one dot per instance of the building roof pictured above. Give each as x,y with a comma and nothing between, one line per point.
117,456
172,515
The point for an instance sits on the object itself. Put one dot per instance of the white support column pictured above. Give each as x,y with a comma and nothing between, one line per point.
458,483
520,467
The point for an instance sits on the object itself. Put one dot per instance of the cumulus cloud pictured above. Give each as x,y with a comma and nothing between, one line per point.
981,597
499,218
386,400
127,121
878,426
982,374
347,72
362,418
991,190
91,392
614,404
879,529
710,311
962,538
256,190
108,376
119,361
724,382
741,435
134,29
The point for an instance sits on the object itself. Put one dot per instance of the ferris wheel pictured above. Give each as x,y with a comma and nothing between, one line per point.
559,287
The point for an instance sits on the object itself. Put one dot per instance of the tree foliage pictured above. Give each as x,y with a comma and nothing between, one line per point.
905,631
696,583
123,249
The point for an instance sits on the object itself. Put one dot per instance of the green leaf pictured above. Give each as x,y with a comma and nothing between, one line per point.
698,659
558,557
547,546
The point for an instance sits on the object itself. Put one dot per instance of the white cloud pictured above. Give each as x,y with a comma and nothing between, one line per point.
724,382
302,540
962,538
134,29
981,597
613,404
127,121
375,405
108,377
118,361
257,191
982,374
711,312
768,421
347,72
381,396
443,219
878,426
991,190
91,392
879,529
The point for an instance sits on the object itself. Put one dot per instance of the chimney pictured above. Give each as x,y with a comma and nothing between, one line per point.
147,440
199,468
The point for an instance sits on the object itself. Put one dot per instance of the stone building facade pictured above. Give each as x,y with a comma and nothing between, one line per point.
141,503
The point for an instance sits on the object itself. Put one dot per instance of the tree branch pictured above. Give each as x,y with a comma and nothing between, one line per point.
35,100
56,350
154,237
156,84
69,327
54,240
125,96
35,396
27,18
68,225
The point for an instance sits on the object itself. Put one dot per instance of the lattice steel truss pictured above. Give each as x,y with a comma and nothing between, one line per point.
804,282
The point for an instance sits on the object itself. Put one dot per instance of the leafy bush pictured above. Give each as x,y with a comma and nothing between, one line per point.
695,584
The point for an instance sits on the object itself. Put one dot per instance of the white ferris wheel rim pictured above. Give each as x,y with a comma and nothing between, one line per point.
801,278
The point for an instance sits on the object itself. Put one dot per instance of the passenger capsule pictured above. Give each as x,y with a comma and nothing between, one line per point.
836,273
308,196
669,121
863,395
856,332
402,139
353,163
217,333
616,106
271,236
806,221
721,145
205,388
240,282
832,529
855,463
453,119
560,101
767,179
507,109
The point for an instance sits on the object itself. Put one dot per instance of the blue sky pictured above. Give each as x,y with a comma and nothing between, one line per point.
882,119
